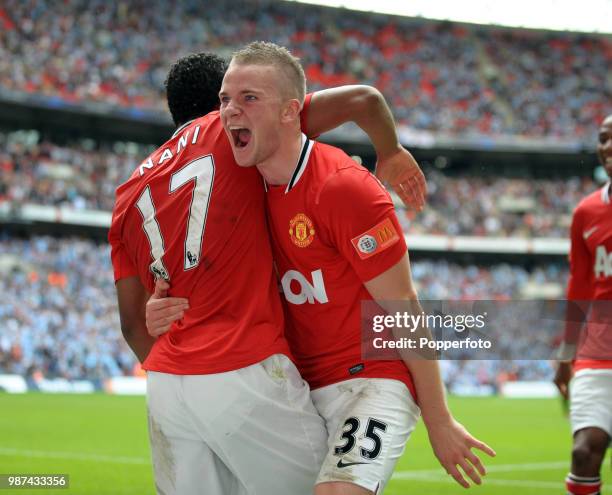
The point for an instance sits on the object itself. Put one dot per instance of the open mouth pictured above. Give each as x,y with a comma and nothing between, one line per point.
241,136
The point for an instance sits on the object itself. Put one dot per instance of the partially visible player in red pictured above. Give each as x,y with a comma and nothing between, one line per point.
337,242
588,337
227,408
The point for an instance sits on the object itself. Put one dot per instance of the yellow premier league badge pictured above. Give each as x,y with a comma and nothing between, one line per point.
301,230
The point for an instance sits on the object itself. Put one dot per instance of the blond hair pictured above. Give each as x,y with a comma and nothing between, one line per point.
267,53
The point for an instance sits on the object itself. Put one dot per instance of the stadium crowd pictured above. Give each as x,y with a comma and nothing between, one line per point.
81,175
502,207
438,76
59,316
84,175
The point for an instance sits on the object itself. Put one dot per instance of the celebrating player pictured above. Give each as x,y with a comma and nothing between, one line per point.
337,242
189,215
590,283
320,210
324,326
226,405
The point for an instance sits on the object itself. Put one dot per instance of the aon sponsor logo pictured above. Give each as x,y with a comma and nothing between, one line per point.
308,292
603,262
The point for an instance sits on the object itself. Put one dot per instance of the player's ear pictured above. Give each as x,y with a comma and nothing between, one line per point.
291,110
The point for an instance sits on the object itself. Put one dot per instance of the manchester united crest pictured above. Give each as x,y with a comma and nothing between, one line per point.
301,230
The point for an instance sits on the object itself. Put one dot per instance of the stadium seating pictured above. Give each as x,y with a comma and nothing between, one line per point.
59,315
84,176
439,77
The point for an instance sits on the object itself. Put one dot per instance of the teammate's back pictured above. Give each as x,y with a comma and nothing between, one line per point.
189,214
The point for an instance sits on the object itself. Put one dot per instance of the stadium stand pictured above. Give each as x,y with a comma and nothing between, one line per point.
439,77
84,175
59,316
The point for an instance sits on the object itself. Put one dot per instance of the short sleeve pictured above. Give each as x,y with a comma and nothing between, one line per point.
360,221
580,283
123,266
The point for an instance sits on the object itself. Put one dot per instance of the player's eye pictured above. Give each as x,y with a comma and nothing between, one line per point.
250,98
224,99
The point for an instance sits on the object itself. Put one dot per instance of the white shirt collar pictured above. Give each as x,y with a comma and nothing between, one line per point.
300,166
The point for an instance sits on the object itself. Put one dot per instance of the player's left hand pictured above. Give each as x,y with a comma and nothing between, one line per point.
161,311
563,375
452,444
403,173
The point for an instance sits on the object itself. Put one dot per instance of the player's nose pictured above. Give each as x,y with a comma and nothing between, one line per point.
230,108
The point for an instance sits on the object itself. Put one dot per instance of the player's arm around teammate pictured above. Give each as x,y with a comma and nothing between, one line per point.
366,106
327,109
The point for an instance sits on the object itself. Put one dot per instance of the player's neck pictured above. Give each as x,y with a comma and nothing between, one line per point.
279,168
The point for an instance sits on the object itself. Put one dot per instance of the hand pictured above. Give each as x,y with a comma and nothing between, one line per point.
162,311
562,378
404,175
452,445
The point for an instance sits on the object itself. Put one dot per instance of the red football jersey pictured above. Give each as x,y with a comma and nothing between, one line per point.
591,276
320,223
190,214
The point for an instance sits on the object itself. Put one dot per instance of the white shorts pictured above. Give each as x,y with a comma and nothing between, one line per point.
250,431
369,421
591,400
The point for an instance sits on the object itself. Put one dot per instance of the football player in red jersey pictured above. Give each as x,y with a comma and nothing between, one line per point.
226,405
590,348
337,242
191,216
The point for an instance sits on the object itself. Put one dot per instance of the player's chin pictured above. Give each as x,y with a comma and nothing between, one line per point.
243,156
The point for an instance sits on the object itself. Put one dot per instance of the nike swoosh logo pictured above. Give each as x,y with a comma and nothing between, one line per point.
587,233
347,464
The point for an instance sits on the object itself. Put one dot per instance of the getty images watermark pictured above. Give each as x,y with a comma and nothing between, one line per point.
420,326
491,330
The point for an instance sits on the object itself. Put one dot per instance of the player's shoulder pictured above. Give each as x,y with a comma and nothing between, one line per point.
186,140
594,200
339,176
332,158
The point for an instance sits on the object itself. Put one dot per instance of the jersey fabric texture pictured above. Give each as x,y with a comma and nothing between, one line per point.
591,277
333,228
191,215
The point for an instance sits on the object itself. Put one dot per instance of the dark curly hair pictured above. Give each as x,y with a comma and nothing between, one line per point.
193,84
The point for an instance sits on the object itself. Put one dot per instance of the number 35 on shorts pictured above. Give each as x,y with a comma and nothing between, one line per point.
369,438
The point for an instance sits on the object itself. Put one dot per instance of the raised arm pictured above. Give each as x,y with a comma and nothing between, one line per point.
367,107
